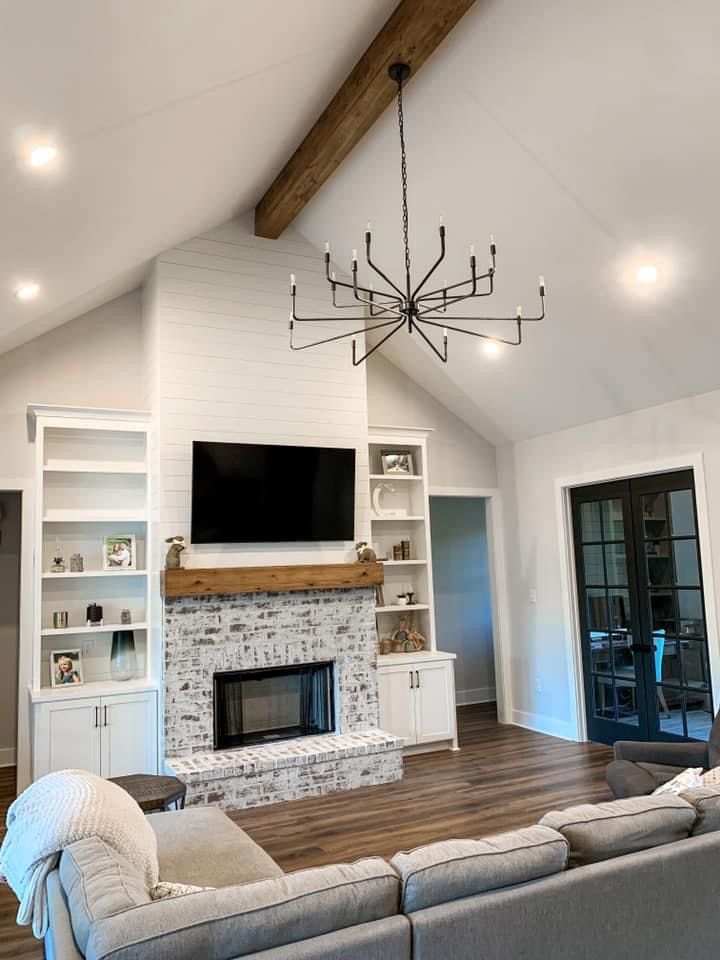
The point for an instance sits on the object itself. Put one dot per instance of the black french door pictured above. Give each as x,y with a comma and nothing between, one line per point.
642,609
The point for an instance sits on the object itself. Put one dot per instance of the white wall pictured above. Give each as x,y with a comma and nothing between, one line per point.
542,689
94,360
217,321
457,455
9,622
463,605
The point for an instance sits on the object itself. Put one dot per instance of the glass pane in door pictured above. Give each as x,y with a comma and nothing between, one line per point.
608,614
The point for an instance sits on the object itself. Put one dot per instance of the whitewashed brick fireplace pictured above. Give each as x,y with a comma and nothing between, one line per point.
209,635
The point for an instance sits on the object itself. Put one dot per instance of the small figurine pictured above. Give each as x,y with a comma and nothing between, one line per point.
77,564
125,617
58,562
173,558
365,554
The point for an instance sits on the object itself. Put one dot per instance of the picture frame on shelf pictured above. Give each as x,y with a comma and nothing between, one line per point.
120,552
396,462
66,667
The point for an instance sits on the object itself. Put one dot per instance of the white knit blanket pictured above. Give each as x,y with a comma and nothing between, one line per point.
54,812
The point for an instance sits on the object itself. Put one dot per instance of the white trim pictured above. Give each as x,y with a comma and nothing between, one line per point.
541,723
27,540
498,587
477,695
403,431
563,487
7,756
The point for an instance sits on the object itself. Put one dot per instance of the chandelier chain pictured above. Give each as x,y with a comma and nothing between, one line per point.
403,172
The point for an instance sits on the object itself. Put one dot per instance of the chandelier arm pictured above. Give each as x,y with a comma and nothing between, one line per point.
443,356
377,269
442,305
434,267
377,304
340,336
398,326
334,282
541,316
474,333
433,294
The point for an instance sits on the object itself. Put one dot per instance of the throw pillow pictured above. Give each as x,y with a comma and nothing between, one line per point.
711,778
687,780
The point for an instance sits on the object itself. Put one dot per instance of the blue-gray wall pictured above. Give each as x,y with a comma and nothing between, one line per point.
461,575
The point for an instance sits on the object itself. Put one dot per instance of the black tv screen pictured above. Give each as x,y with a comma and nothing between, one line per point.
261,493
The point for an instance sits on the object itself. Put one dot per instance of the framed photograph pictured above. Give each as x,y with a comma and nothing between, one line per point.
119,553
394,462
66,667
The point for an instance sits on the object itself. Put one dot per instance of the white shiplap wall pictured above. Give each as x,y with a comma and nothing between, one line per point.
218,321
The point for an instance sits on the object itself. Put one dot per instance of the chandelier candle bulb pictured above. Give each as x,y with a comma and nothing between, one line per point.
354,255
519,311
444,333
472,249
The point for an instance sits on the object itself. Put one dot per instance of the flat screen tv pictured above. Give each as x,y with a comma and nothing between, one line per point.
262,493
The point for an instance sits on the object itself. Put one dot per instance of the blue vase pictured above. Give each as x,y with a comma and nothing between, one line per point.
123,661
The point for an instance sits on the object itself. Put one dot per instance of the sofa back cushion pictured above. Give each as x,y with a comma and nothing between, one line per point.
251,917
98,883
453,869
714,743
605,830
706,801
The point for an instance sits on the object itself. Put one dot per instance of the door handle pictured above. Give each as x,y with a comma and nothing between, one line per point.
412,685
105,723
97,717
417,679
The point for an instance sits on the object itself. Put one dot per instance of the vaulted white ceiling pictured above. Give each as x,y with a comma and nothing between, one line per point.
170,115
585,136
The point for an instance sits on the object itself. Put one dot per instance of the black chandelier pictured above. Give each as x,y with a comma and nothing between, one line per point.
409,307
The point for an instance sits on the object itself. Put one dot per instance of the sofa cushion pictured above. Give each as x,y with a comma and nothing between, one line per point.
706,801
452,869
605,830
203,847
252,917
98,882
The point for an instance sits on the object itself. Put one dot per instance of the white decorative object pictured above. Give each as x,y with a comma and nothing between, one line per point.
711,778
378,509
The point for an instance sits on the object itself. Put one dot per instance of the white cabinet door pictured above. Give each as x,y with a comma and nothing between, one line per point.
67,735
434,701
396,702
129,734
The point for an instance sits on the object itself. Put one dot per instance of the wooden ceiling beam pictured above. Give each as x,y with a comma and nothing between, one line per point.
413,31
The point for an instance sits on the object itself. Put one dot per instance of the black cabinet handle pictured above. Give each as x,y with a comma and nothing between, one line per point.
412,685
417,679
105,716
97,716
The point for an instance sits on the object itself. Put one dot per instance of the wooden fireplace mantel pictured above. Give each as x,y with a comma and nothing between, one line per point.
277,579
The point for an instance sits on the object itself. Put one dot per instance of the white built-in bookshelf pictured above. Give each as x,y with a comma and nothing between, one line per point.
416,689
410,497
92,482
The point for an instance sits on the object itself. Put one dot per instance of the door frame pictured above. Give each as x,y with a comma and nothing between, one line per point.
25,632
499,594
568,579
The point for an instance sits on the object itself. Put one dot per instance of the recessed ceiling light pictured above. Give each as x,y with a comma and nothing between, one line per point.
43,154
647,273
491,348
27,291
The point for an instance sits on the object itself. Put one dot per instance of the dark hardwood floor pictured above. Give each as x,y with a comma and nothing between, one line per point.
502,777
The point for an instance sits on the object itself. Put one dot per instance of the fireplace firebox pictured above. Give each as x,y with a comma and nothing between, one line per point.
278,703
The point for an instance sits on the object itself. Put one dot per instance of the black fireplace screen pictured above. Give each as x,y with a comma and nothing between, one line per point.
260,706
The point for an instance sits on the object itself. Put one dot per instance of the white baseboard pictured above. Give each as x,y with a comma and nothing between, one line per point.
541,723
476,695
7,756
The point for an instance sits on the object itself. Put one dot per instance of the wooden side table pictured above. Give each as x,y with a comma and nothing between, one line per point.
152,793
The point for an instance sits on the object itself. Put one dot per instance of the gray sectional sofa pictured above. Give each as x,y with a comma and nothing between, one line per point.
634,878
